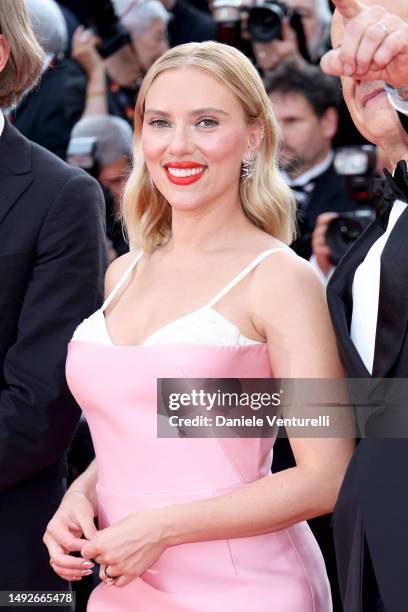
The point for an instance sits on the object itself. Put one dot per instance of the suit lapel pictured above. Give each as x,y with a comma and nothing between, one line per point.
393,298
15,167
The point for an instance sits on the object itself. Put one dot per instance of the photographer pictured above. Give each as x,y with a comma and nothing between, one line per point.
305,102
113,80
110,141
304,34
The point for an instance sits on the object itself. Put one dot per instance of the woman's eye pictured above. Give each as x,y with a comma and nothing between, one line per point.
158,123
207,123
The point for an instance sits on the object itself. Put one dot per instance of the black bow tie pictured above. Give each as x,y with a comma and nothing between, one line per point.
392,188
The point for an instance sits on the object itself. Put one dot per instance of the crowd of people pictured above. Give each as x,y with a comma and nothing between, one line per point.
183,183
79,81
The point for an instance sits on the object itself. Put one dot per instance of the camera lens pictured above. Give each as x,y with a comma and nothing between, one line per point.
264,22
345,229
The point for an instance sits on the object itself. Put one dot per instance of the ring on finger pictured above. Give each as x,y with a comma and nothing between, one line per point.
109,580
383,26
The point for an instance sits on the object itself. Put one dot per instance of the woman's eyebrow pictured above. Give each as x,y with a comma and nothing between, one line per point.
199,111
152,111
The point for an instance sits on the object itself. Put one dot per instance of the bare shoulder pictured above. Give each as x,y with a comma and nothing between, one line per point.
289,309
117,269
286,290
284,273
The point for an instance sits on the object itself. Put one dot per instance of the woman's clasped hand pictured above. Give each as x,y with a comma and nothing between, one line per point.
129,547
69,529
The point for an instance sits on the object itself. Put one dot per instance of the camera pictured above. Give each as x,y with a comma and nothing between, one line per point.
107,26
82,153
358,165
261,20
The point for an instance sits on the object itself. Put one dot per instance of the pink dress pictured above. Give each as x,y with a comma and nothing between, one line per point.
115,385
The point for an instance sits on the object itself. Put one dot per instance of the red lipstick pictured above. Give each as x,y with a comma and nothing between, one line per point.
187,179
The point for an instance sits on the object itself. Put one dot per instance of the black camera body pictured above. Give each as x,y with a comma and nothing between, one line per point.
262,19
107,26
358,165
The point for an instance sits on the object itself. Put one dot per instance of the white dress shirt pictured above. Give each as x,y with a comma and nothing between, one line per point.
366,282
1,123
366,291
400,105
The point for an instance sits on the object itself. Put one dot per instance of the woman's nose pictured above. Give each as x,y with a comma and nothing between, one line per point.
181,143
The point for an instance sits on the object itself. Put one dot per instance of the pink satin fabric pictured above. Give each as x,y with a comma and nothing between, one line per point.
116,387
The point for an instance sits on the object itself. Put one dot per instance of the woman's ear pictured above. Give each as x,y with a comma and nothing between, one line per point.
4,52
255,136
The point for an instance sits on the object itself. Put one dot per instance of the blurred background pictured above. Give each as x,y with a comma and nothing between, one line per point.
97,52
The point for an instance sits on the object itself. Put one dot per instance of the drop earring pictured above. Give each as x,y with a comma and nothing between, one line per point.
248,167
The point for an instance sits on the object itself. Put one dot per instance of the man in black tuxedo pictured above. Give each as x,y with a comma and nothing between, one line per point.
52,261
368,297
306,104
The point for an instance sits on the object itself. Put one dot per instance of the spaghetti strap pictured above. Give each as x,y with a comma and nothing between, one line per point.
244,272
121,281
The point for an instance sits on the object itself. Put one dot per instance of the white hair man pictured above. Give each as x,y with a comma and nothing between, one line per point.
112,154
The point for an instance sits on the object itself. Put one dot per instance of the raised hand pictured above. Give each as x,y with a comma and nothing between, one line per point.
374,45
84,50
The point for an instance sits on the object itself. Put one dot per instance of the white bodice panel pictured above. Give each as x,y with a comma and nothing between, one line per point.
203,326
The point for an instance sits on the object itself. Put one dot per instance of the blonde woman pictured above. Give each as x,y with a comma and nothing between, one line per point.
209,289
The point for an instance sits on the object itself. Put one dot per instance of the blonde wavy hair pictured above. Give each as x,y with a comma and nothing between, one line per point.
25,64
266,199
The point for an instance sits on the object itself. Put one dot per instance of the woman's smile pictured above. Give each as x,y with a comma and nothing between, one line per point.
184,173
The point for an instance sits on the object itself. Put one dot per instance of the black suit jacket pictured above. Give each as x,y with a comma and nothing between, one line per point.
329,194
372,508
52,263
47,114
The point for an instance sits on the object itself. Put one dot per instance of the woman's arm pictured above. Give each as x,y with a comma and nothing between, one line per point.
289,309
85,484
